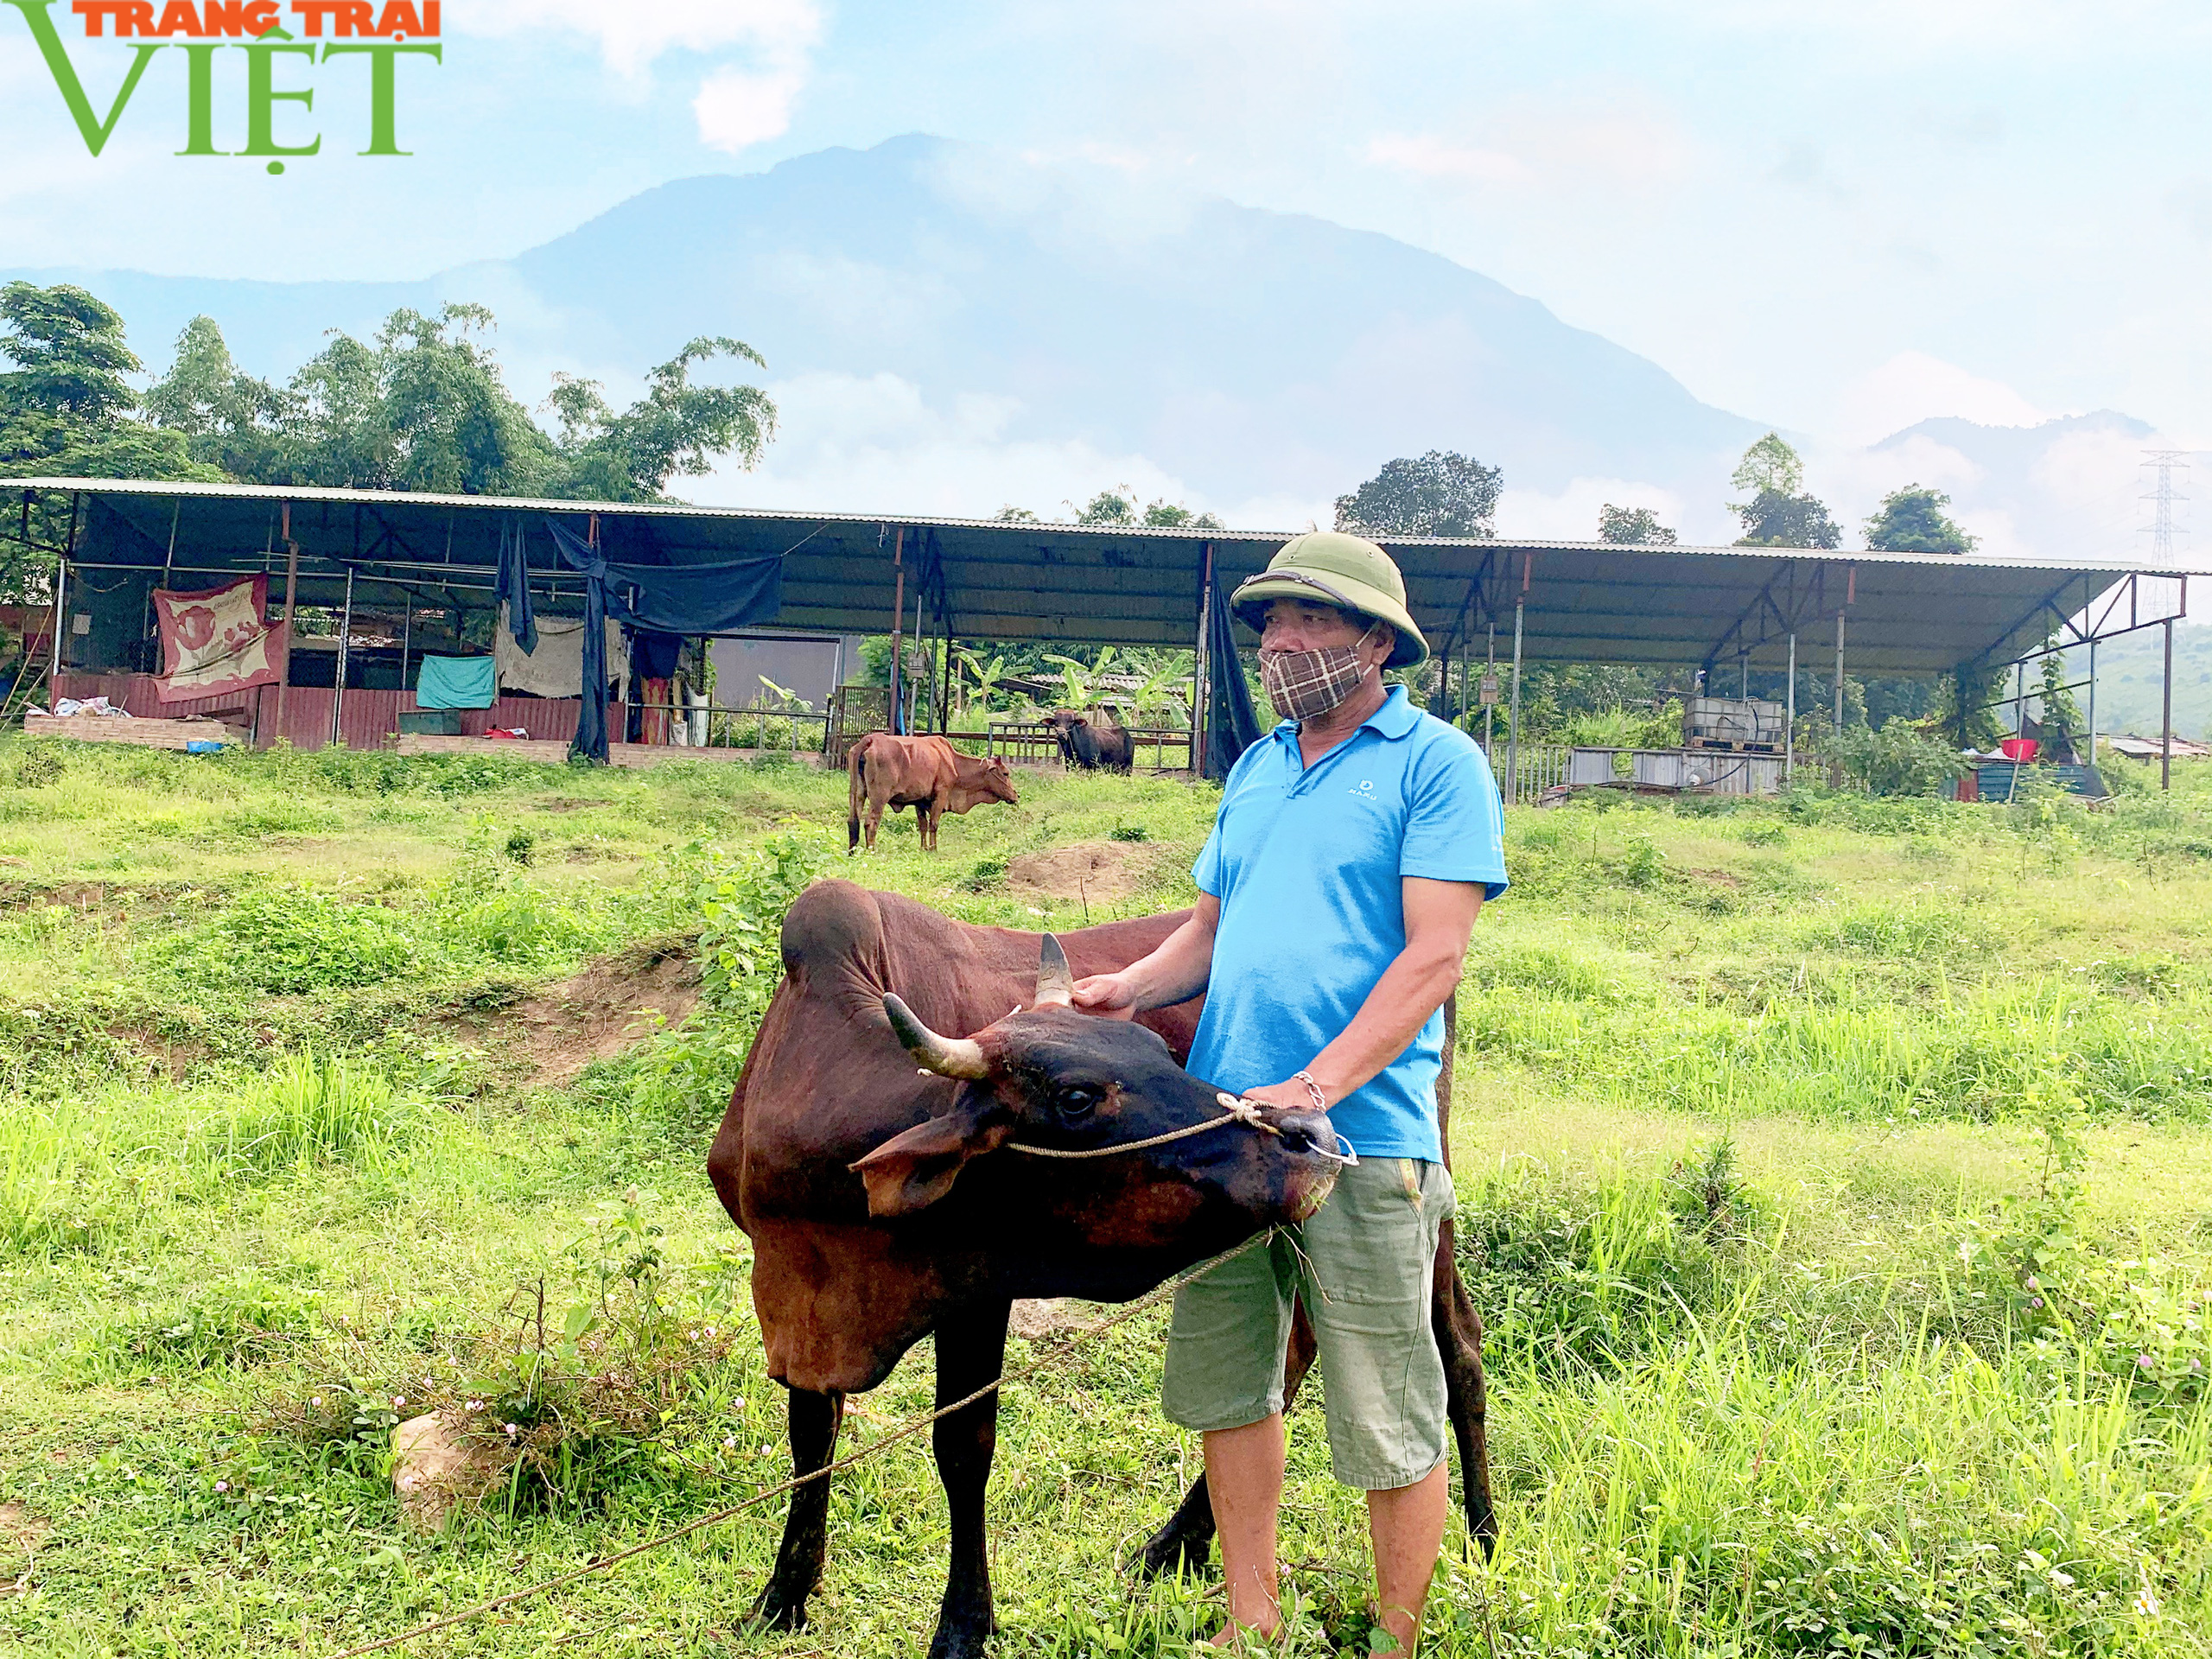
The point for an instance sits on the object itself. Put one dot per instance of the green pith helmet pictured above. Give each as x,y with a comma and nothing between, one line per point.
1331,568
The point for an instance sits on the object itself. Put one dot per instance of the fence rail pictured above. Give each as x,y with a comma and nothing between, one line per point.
1537,767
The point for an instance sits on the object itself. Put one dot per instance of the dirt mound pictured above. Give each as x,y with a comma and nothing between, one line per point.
1091,872
558,1031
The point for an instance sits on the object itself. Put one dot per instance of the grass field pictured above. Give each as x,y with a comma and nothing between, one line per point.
1835,1177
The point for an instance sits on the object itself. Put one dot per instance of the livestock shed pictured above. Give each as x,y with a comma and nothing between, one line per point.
398,573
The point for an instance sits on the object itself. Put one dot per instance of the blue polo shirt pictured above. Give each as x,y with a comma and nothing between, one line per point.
1307,863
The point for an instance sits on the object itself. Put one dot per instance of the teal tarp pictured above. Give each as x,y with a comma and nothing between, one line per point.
457,683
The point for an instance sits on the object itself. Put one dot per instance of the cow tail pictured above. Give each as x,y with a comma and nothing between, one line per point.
852,793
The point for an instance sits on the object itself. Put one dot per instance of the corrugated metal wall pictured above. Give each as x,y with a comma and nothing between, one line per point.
371,718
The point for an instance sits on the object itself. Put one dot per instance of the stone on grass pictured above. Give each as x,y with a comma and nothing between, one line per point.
433,1470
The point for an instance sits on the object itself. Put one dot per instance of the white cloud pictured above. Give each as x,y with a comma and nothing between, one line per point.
738,108
1572,514
739,104
875,443
1602,140
633,33
1437,158
1912,386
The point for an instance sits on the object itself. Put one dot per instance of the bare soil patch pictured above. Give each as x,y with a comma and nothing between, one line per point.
1033,1320
20,1532
558,1031
1092,872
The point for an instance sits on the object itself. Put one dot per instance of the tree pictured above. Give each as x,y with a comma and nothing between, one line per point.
1912,520
1778,515
424,406
1440,493
1635,525
675,429
66,409
1119,506
1769,464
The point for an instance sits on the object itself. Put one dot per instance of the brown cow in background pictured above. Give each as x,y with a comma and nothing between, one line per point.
926,773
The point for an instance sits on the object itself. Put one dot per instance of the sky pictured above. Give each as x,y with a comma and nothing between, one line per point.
1840,216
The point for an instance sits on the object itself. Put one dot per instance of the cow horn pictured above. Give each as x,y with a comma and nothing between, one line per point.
949,1057
1055,984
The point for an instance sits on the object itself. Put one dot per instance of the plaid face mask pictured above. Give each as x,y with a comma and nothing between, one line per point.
1304,683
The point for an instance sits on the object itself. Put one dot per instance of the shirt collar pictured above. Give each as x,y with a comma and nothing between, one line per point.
1395,719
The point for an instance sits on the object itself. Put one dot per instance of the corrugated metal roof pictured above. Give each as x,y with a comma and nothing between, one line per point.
1590,601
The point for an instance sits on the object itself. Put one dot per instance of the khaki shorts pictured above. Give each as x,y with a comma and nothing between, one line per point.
1364,1263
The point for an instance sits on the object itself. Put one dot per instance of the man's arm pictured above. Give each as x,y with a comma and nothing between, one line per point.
1174,973
1439,920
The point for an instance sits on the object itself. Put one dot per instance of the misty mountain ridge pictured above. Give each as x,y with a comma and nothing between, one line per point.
948,329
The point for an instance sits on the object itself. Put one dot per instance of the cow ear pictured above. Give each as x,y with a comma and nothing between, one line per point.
910,1172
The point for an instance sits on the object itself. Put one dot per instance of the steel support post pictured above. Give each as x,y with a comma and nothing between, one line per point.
897,622
344,637
1513,715
2093,701
1489,709
1839,673
2166,720
291,595
1790,718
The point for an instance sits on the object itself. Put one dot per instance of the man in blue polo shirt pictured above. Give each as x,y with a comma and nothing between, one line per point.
1353,849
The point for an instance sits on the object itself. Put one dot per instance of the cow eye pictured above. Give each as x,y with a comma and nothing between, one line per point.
1079,1101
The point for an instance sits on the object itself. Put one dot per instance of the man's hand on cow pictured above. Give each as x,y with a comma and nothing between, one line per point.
1290,1095
1111,996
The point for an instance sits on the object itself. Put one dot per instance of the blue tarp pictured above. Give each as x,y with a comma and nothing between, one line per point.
457,683
681,600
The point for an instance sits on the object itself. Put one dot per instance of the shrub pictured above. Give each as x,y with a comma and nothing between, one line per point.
1896,760
291,938
41,764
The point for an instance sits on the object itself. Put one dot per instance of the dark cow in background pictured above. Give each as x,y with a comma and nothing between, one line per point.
884,1205
1092,744
926,773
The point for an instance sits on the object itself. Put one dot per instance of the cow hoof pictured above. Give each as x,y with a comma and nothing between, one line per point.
776,1612
963,1641
1172,1550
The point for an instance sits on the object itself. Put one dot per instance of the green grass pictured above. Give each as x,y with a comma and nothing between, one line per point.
1756,1112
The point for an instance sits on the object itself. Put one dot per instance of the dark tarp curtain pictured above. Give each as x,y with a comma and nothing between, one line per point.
514,586
1232,725
678,599
653,656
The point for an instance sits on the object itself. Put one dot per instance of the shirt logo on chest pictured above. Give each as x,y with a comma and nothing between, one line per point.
1365,790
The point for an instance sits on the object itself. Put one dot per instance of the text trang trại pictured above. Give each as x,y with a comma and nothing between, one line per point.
381,33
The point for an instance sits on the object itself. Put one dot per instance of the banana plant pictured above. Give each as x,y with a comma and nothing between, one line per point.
986,679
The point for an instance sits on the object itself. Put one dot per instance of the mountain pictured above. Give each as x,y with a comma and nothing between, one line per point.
948,328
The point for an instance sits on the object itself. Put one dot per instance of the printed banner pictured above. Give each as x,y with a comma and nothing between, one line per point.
219,641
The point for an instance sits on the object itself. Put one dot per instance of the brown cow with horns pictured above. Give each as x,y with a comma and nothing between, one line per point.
884,1206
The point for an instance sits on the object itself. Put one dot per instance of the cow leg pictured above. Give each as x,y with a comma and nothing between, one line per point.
814,1420
874,820
970,1352
1185,1543
1459,1341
